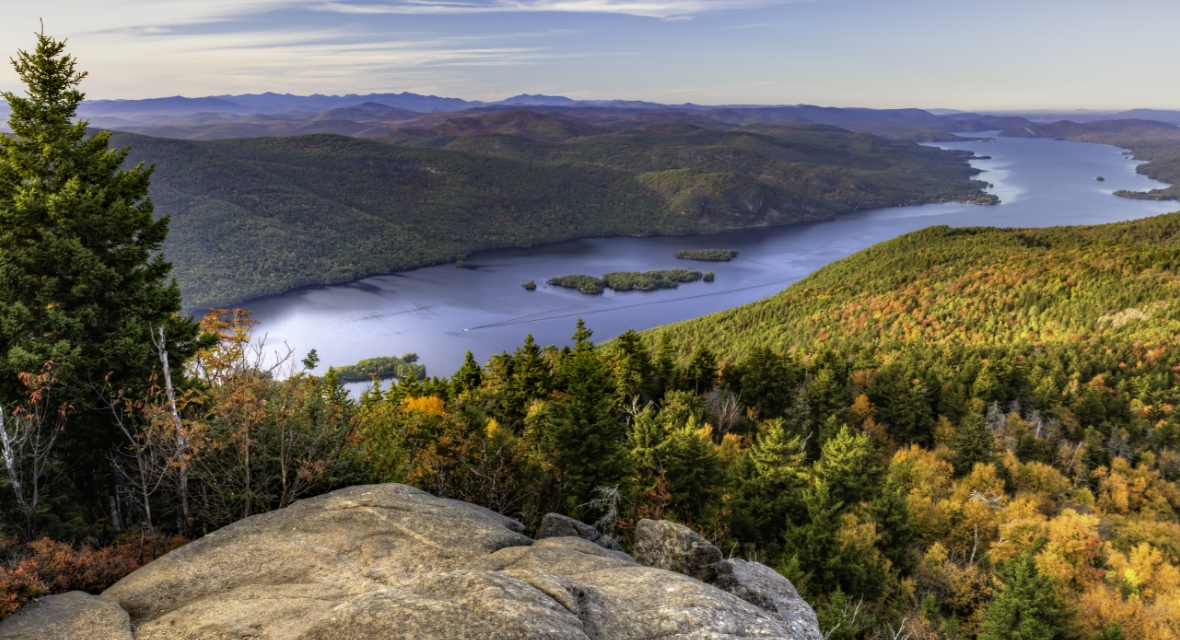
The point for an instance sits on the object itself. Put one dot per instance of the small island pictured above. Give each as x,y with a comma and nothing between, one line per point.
628,280
1101,179
531,285
708,255
708,277
384,367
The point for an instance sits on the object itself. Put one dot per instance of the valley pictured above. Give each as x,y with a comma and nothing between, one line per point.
262,216
441,312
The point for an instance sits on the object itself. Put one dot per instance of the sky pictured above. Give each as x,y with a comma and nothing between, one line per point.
970,55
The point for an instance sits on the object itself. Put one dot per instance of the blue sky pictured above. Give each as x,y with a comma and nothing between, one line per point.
1002,54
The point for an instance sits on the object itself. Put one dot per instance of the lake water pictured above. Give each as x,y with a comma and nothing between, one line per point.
441,312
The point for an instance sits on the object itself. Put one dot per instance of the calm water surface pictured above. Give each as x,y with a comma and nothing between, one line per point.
441,312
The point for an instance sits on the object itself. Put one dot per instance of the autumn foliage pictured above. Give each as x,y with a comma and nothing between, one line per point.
44,566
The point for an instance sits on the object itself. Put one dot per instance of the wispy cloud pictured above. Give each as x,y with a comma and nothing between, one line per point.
666,9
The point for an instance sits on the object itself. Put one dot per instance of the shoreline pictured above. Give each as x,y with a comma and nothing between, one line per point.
240,304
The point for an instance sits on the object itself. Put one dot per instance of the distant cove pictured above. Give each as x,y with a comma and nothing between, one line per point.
441,312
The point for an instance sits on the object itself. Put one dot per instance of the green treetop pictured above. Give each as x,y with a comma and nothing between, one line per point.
82,282
1025,607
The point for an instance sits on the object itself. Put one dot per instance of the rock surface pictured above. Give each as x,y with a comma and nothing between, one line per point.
762,581
675,547
555,525
68,616
390,561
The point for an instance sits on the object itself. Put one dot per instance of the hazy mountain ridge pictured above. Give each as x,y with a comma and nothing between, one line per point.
162,116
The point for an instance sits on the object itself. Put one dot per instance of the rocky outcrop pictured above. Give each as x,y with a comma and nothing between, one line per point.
675,547
390,561
68,616
555,525
766,584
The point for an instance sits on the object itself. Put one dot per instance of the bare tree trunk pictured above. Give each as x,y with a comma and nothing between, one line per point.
181,438
12,444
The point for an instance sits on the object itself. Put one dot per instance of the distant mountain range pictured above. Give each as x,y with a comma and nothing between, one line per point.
376,115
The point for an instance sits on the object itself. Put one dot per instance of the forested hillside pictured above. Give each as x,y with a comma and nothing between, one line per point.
966,286
252,217
1018,387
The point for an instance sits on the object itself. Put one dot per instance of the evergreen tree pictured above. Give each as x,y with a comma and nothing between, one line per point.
850,467
767,382
765,485
827,395
821,560
1096,455
692,467
972,442
701,371
1025,608
530,379
83,283
896,533
582,336
814,544
586,442
901,405
469,376
632,370
666,363
647,443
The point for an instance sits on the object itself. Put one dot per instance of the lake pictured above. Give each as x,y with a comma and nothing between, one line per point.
441,312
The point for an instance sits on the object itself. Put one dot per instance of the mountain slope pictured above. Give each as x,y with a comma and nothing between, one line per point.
261,216
970,286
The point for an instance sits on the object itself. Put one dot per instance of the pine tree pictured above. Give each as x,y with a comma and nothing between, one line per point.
702,369
692,467
821,559
582,336
646,444
896,533
469,376
901,405
632,370
530,379
666,363
585,441
765,485
972,442
1096,454
814,545
1025,608
827,395
767,383
850,466
83,283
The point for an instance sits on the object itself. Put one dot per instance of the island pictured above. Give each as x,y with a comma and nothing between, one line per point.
531,285
708,255
401,368
628,280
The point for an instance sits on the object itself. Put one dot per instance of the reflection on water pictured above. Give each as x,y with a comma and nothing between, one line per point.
441,312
